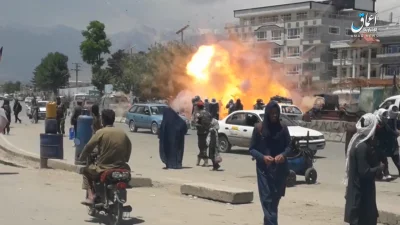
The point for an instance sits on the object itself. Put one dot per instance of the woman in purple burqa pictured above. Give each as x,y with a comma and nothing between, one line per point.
172,139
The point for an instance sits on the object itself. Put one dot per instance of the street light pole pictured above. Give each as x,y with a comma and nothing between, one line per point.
77,66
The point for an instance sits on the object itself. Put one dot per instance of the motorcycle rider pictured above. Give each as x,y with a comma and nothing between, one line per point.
114,152
259,104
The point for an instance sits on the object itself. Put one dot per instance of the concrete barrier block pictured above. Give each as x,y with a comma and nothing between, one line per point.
218,193
140,182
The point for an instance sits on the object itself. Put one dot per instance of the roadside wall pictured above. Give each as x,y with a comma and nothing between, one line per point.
334,131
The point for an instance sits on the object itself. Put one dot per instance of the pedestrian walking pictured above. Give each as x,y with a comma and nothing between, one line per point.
95,111
60,116
360,207
7,110
74,118
172,139
203,124
270,144
17,108
213,145
214,109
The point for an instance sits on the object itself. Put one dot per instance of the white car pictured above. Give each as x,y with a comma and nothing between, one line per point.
237,128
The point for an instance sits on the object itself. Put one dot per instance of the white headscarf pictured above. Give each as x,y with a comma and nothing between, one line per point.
362,134
380,114
393,113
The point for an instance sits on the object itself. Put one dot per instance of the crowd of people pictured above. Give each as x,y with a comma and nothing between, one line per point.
369,143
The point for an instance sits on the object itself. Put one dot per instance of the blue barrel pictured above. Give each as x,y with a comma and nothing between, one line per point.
51,146
50,126
71,133
82,136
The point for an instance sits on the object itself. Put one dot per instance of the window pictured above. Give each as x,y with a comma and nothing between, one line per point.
297,24
261,35
301,15
140,110
391,49
310,31
157,110
293,33
291,109
310,66
276,53
251,120
305,23
293,69
41,104
388,103
317,14
287,17
293,51
287,121
274,19
349,32
314,22
334,30
252,21
237,119
276,35
133,109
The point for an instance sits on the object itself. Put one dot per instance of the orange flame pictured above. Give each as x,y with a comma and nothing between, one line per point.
231,72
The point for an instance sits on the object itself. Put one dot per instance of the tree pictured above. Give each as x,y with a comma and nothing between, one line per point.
95,45
100,78
115,63
52,73
11,87
134,69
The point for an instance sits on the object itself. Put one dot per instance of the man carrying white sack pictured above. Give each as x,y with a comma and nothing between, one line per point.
3,120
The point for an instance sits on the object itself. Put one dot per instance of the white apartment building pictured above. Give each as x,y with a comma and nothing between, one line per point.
368,57
298,35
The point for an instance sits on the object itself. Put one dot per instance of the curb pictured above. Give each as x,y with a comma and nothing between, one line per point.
56,164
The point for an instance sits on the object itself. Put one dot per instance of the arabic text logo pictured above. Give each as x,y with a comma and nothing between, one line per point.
365,19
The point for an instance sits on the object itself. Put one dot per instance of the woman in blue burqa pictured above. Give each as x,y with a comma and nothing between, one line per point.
172,139
270,144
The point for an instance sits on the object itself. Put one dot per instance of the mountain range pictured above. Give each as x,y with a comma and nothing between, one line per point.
25,46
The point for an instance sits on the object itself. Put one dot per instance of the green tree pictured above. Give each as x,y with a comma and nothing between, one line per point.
95,45
52,73
115,63
100,78
134,70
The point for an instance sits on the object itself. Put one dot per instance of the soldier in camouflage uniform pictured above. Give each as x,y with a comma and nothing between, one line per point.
61,115
195,110
203,124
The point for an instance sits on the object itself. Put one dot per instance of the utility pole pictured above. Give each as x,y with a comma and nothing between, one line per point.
77,66
180,31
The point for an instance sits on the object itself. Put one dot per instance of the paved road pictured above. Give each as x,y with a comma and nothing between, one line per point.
239,170
51,197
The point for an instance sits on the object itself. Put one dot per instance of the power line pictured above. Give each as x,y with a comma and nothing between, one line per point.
77,66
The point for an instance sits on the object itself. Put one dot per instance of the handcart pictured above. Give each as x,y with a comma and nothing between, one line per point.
301,162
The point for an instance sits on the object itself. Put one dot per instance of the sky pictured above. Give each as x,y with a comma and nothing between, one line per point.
123,15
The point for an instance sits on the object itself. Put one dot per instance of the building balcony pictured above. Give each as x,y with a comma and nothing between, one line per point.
349,61
388,54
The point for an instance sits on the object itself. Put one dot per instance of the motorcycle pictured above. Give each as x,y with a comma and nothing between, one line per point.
110,193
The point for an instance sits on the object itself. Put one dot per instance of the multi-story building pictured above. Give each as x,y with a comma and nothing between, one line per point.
389,54
368,57
299,35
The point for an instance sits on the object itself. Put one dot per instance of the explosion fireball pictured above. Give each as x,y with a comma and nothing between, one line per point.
231,71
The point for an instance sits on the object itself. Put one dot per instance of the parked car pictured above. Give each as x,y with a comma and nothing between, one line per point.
237,128
147,116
